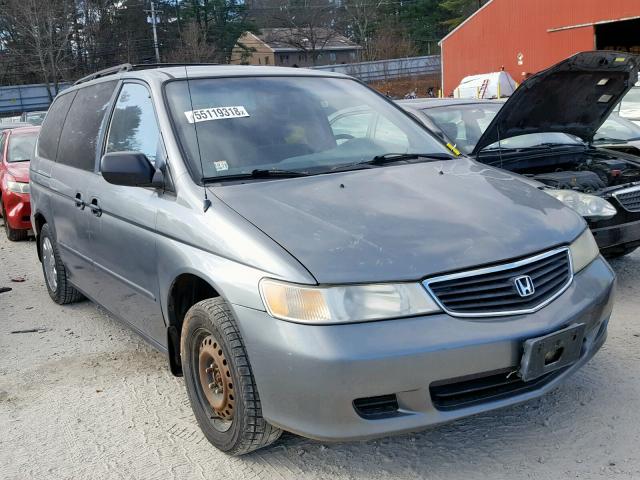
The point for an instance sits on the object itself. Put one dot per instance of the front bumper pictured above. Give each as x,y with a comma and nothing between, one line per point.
17,207
309,376
617,238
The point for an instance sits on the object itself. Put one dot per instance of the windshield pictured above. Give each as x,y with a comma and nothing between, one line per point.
35,118
617,129
465,124
21,147
309,124
630,105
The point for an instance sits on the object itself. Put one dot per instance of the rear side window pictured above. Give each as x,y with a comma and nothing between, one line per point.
80,132
50,134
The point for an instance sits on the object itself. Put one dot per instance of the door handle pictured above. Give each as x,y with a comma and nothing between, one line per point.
79,203
95,209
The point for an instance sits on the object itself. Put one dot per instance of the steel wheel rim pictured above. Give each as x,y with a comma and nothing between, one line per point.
49,264
212,378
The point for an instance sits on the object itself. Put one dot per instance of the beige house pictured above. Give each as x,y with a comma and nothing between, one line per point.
287,47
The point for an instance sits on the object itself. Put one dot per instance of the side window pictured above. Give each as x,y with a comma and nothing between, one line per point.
133,126
387,132
80,132
351,125
3,142
52,126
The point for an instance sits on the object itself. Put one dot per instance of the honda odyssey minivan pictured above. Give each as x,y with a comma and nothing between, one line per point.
300,276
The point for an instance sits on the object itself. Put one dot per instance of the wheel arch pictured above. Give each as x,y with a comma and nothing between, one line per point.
186,289
38,222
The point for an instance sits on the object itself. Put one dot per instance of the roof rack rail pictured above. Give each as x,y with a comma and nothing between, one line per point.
125,67
144,66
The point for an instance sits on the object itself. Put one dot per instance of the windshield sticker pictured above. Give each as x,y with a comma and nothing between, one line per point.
215,113
221,165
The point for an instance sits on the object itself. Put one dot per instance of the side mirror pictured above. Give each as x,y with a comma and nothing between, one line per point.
129,169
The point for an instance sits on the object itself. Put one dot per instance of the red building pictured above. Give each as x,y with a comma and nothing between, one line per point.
526,36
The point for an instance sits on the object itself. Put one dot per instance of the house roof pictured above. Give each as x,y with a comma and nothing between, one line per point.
298,39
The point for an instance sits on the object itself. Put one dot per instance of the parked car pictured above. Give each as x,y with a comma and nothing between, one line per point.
303,279
16,150
548,136
629,108
12,125
33,118
619,134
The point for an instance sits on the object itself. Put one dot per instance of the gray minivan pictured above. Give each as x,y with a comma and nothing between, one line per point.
299,277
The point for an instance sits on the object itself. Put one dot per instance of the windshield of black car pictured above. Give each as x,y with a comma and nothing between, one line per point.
312,124
464,125
21,147
630,105
616,128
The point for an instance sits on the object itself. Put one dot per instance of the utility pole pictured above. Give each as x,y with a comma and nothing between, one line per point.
155,31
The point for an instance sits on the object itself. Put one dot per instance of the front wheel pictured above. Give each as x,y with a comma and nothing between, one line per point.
12,234
219,380
55,274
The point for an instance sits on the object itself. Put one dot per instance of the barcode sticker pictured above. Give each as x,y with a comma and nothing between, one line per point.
216,113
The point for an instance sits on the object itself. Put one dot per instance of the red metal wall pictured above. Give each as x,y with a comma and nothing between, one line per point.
495,36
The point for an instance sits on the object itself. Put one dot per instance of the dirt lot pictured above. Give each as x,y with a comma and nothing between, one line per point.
85,398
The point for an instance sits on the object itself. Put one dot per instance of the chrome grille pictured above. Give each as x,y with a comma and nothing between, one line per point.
629,198
492,291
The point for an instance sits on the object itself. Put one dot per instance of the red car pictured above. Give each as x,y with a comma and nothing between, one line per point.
16,149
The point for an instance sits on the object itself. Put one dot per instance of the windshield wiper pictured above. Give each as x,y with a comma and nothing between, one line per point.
399,157
608,140
394,157
259,173
540,146
274,172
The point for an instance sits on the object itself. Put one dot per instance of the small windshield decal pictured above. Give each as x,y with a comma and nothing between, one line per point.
215,113
221,165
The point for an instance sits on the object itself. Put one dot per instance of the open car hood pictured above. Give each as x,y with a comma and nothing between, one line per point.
575,96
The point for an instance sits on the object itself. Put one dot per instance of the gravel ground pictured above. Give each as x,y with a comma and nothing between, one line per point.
85,398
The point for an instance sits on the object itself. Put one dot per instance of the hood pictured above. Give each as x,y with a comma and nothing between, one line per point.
404,222
19,170
575,96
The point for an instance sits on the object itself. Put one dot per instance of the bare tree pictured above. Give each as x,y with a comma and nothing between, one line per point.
391,42
306,26
362,17
193,46
42,30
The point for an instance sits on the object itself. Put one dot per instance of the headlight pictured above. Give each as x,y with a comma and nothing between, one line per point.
583,250
342,304
589,206
18,187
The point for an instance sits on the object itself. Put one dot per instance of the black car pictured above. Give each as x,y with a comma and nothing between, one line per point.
619,134
545,131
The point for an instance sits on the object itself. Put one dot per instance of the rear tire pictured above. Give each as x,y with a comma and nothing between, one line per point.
55,274
219,380
12,234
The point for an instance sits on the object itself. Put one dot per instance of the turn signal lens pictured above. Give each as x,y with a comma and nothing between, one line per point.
344,304
584,250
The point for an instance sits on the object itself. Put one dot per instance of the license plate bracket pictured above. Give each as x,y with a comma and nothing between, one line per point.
551,352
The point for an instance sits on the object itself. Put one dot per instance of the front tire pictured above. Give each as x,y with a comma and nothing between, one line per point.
55,274
12,234
219,380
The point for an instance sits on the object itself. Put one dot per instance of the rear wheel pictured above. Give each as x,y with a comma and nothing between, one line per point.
55,274
219,380
12,234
